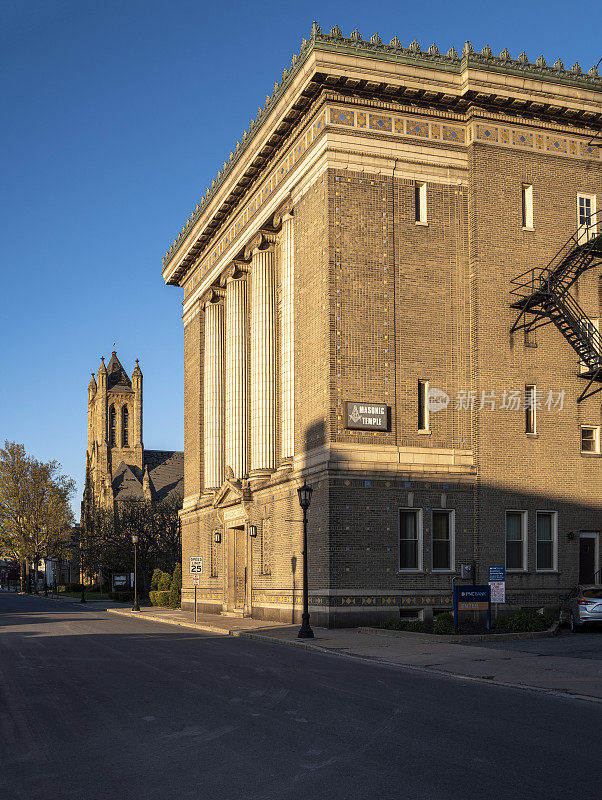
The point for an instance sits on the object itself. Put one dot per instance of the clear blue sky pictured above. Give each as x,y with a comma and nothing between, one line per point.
117,114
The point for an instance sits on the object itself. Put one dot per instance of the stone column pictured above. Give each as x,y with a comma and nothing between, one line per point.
287,340
213,397
236,372
263,356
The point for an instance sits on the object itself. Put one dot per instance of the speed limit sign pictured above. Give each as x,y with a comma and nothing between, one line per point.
196,565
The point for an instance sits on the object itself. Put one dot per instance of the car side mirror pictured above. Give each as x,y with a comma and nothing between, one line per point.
564,597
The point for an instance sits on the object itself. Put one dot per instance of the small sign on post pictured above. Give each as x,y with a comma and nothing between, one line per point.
196,565
497,582
472,598
196,580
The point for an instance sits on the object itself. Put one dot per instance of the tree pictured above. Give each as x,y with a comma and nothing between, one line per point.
35,516
107,538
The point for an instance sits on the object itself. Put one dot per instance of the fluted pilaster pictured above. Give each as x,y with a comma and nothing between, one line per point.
236,376
287,319
263,361
213,400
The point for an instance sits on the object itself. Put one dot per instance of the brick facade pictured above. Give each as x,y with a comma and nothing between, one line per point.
383,301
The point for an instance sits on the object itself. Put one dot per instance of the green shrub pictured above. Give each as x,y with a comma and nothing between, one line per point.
529,620
394,624
157,573
416,626
175,588
164,583
121,596
159,598
444,623
524,621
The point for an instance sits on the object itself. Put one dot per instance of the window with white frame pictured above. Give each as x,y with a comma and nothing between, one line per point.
410,539
586,217
527,206
423,406
530,409
420,203
590,439
516,540
443,540
591,327
546,541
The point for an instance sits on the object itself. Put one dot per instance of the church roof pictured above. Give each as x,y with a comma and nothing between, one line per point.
118,379
166,477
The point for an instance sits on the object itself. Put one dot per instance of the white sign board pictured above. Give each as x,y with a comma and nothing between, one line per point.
196,565
498,591
497,582
196,580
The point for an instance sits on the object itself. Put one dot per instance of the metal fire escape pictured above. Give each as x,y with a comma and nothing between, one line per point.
542,296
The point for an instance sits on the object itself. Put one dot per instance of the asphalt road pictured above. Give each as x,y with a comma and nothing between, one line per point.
97,707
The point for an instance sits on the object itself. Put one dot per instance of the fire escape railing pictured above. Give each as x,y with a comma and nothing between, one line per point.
542,296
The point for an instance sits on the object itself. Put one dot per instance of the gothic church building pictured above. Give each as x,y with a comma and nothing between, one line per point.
118,467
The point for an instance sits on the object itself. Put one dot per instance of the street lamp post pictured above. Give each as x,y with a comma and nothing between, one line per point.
305,631
135,607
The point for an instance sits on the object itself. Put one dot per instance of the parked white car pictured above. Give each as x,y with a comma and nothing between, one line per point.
582,604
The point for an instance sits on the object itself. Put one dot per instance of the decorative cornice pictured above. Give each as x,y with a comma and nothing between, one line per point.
394,51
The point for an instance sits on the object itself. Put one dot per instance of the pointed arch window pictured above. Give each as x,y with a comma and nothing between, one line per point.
125,430
112,427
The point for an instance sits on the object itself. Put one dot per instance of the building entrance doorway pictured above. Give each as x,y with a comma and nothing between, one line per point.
587,556
240,568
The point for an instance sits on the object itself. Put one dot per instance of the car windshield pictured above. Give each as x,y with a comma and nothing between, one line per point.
595,593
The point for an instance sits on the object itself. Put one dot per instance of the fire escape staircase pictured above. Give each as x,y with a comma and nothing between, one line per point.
542,296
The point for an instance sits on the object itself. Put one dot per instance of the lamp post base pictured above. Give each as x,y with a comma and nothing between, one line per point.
305,631
136,607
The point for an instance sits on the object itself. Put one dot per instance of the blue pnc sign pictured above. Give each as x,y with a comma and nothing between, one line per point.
472,598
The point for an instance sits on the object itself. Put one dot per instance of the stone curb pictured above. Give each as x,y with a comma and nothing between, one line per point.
452,638
152,618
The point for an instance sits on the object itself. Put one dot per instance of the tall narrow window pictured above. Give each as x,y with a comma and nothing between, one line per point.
527,206
443,540
266,547
530,409
516,540
586,216
423,406
125,433
420,203
410,539
591,328
546,541
112,427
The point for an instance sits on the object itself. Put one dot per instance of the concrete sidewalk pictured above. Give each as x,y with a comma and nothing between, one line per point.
504,663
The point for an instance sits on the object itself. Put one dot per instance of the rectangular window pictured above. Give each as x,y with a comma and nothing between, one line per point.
516,540
423,406
586,217
420,203
546,541
591,328
530,337
443,540
590,439
530,409
527,206
410,539
266,547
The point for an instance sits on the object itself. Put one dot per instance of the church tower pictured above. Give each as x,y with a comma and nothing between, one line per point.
114,428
